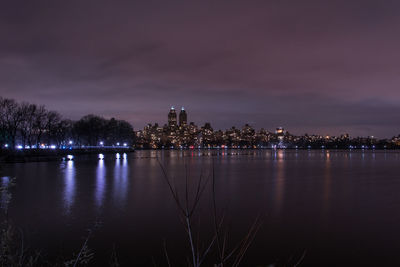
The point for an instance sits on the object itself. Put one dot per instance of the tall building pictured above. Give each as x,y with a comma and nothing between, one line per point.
182,117
172,121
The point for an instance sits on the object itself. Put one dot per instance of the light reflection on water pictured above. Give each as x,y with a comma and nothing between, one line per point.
327,182
280,179
4,194
100,183
120,184
70,187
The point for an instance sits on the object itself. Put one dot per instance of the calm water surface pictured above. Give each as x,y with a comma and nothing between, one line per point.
339,207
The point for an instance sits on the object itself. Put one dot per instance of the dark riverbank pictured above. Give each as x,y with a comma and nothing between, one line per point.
32,155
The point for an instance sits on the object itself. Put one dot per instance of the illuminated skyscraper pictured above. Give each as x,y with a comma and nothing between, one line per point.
182,117
172,121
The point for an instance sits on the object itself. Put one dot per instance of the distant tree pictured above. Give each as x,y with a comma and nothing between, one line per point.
11,118
124,132
90,129
27,129
40,124
3,128
52,120
61,133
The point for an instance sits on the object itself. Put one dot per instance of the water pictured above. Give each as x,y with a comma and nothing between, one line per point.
335,207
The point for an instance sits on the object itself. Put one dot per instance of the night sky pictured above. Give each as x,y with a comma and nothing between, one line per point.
325,67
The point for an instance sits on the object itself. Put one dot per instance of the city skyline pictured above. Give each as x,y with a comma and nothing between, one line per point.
176,119
178,134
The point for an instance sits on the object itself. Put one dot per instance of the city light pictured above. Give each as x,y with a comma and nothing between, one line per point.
117,156
101,156
179,134
70,157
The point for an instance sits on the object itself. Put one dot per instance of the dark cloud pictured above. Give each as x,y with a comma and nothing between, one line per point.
311,66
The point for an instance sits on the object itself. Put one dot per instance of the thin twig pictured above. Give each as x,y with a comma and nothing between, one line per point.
301,259
166,253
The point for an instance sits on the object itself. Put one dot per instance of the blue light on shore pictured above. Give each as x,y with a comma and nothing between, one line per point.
117,156
101,156
70,157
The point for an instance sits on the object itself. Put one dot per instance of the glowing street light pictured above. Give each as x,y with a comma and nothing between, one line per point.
70,142
125,144
101,143
118,144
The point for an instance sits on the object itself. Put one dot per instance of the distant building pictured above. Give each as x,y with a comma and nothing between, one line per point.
172,120
182,117
279,130
280,133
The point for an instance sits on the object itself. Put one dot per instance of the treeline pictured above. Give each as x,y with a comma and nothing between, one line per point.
29,125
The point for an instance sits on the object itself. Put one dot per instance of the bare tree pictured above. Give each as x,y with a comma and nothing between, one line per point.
187,207
52,120
40,124
12,119
3,129
27,129
61,132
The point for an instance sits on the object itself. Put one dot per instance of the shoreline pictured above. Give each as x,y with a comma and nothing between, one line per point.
43,155
39,155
